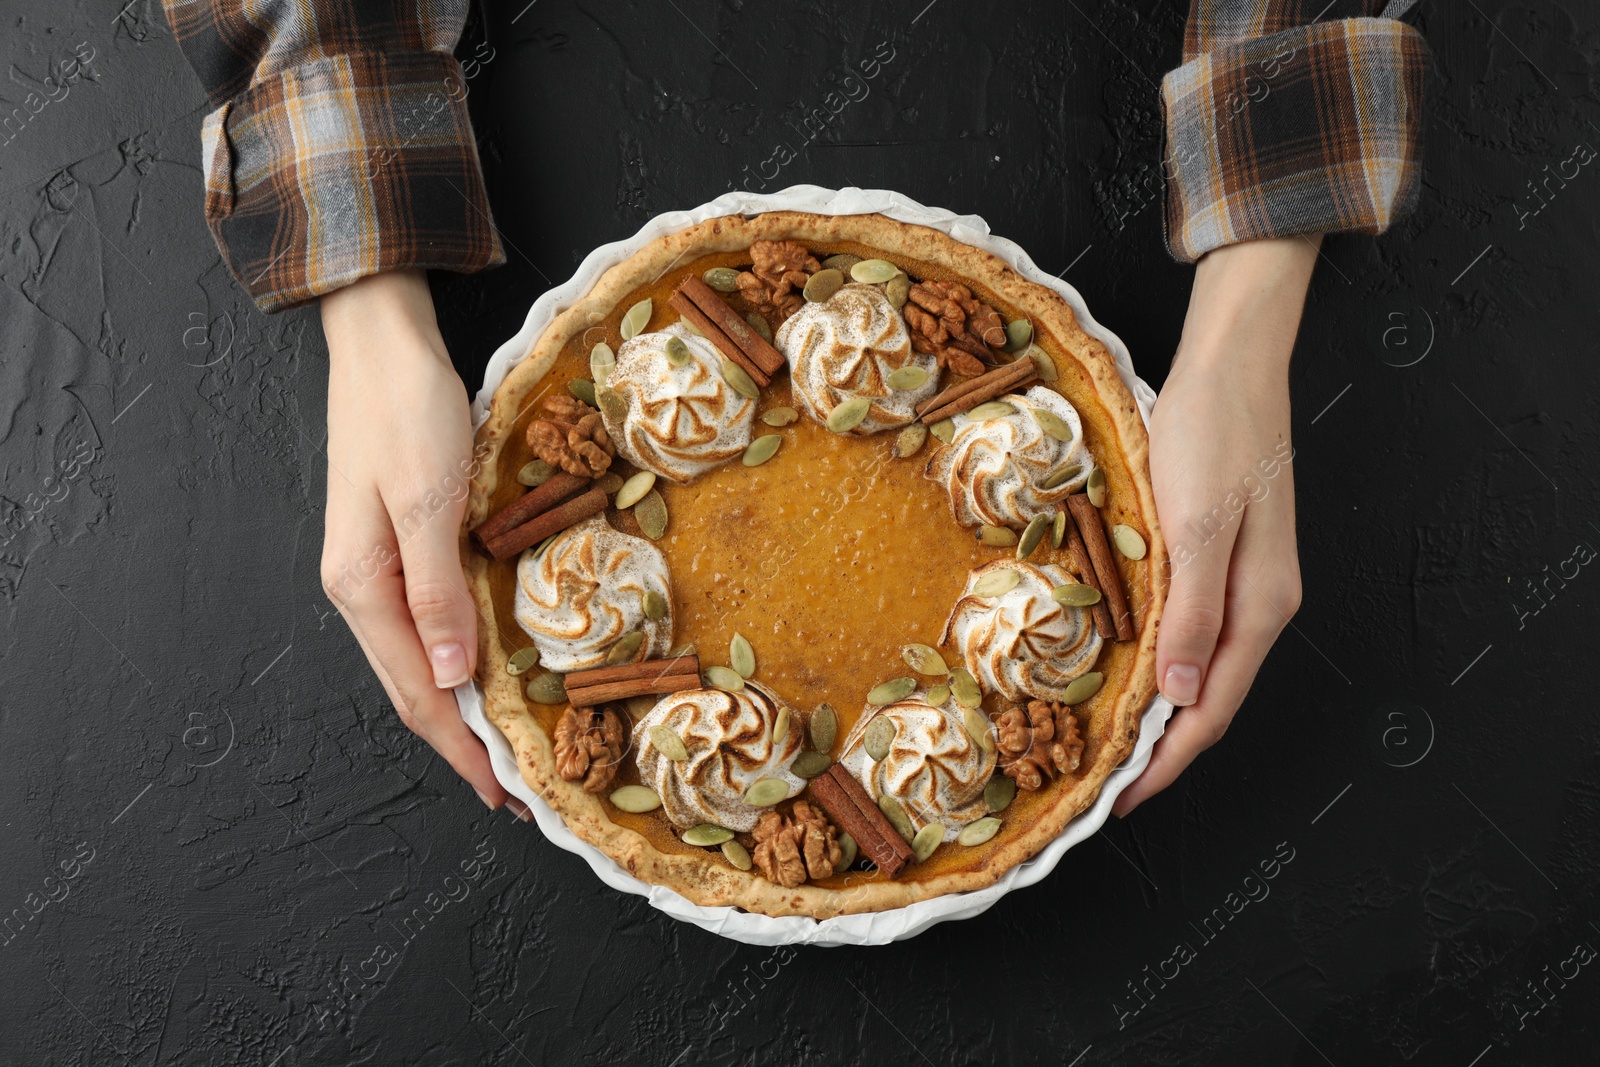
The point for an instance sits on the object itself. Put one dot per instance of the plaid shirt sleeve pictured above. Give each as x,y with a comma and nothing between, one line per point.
1291,117
339,145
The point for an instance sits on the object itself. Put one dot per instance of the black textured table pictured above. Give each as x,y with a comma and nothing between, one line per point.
221,846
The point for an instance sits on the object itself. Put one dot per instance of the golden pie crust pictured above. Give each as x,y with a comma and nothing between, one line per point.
733,525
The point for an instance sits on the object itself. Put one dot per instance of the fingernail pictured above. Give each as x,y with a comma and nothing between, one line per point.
485,800
519,809
1182,684
449,664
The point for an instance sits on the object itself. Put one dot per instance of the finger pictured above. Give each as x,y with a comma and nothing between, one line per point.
378,616
436,595
1193,617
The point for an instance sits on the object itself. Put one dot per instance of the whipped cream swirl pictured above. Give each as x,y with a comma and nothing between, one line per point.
995,469
729,738
585,592
847,347
1022,643
934,768
676,421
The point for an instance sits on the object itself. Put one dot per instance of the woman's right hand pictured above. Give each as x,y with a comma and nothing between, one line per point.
399,464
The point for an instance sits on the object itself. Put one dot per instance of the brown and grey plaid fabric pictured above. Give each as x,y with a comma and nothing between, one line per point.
1291,117
340,144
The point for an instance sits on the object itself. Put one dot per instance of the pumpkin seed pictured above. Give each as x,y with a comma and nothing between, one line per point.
1043,364
766,793
928,838
780,727
841,262
1019,335
898,290
976,833
736,854
759,325
998,794
977,725
741,656
651,513
847,852
909,442
1096,487
685,649
965,687
1058,531
779,416
609,483
1081,689
761,449
1052,424
1128,541
996,536
538,549
634,489
824,725
1063,476
722,279
678,353
639,707
1033,534
890,691
873,271
879,737
613,405
636,319
725,679
655,606
625,649
583,389
635,798
822,285
936,696
523,660
548,687
1074,595
925,659
810,764
848,415
996,582
907,378
668,743
994,409
706,834
691,327
896,814
535,473
740,381
601,362
944,430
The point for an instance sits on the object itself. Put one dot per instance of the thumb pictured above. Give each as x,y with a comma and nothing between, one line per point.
436,590
1192,617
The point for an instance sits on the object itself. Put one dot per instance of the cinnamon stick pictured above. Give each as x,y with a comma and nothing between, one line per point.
769,359
1085,566
979,390
647,685
558,487
550,522
713,333
627,672
848,805
1087,518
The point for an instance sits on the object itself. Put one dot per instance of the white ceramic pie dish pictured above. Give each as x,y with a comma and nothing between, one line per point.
875,928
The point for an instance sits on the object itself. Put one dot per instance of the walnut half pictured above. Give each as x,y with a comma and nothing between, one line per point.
589,743
1039,741
790,848
945,319
571,437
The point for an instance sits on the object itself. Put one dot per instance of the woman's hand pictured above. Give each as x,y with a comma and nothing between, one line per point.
1220,462
399,461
